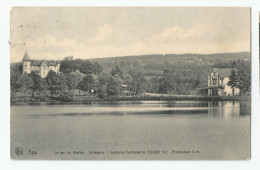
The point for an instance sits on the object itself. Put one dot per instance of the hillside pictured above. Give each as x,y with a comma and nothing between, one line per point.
178,57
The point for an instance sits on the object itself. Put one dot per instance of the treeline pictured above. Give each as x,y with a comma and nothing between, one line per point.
165,78
180,78
75,74
158,58
85,67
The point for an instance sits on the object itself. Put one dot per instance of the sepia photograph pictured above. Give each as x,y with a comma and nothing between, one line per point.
130,83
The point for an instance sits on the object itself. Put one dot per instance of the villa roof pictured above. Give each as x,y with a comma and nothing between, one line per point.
223,72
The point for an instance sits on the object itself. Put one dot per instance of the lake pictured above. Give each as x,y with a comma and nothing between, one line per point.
141,130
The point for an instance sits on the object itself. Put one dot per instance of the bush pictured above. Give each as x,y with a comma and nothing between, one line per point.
66,97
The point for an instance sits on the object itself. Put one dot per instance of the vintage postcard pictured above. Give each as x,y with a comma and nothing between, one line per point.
144,83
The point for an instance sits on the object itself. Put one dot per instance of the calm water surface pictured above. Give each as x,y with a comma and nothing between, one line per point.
213,130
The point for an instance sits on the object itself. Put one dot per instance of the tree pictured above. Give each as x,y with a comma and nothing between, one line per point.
112,88
103,78
244,72
53,82
14,77
117,71
102,81
57,84
155,84
168,83
63,87
102,91
87,83
97,68
138,82
25,84
14,81
38,84
86,67
73,80
233,80
128,79
68,66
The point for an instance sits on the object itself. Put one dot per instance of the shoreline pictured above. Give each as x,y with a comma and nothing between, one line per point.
141,98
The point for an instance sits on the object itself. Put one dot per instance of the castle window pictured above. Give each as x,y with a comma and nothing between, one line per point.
25,66
214,73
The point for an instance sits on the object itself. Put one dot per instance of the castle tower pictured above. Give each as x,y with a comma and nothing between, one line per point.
27,63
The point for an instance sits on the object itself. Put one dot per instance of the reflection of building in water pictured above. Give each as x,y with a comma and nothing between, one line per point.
224,109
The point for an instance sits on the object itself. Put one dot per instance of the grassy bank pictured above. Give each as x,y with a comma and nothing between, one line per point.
184,97
34,100
86,99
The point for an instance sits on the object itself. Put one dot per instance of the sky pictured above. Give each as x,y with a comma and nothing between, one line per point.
86,33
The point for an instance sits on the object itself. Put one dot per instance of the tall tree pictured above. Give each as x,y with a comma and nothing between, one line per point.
113,88
244,72
233,80
102,81
168,84
103,78
97,68
87,83
117,71
68,66
138,82
128,79
53,82
38,84
14,81
155,84
86,67
26,83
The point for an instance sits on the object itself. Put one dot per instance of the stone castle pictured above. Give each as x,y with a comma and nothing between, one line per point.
42,67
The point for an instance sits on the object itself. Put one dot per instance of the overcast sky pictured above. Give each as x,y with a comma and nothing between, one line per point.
54,33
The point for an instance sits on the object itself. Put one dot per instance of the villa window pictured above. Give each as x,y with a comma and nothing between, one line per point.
221,81
214,81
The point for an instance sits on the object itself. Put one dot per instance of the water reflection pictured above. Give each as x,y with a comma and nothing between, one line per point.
216,109
228,109
187,104
209,127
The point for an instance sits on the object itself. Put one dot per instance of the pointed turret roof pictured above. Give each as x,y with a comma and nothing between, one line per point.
26,56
